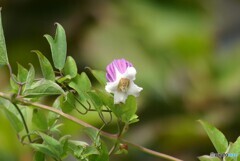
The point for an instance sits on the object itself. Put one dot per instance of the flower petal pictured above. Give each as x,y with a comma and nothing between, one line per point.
115,67
111,73
134,89
111,87
130,73
120,97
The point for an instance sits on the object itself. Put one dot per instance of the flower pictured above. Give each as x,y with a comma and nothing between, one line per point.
120,76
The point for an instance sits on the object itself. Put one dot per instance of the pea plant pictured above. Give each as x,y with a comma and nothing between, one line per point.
114,98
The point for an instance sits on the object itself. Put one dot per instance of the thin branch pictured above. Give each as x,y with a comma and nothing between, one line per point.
117,140
24,121
151,152
78,121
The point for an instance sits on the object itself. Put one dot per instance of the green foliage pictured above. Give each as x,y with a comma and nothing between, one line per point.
22,74
43,88
13,84
100,76
70,67
30,77
97,102
67,103
58,47
218,139
71,88
46,66
208,158
81,83
103,156
3,49
39,156
52,117
234,149
221,144
93,135
53,144
12,114
39,119
125,112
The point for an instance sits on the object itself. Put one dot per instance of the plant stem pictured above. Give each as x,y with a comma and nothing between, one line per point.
151,152
78,121
24,121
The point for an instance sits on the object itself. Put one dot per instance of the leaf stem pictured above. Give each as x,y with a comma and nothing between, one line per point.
78,121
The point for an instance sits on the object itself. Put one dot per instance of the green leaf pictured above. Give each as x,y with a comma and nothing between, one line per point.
70,67
43,88
46,66
12,114
67,103
45,149
81,83
208,158
30,77
234,149
126,112
65,78
106,98
90,150
55,129
13,84
73,144
64,143
76,148
39,120
58,47
218,139
3,49
39,156
103,154
133,119
22,73
96,100
52,117
100,76
53,144
93,134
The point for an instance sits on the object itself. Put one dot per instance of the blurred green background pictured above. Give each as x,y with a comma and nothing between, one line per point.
186,53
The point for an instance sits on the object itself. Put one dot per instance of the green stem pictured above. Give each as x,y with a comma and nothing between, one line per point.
24,121
78,121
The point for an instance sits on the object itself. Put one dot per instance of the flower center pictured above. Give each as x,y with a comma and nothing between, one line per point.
123,84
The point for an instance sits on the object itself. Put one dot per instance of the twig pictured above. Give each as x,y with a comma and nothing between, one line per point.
149,151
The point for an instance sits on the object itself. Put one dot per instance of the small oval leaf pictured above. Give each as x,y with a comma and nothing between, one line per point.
42,88
3,49
58,47
46,66
70,67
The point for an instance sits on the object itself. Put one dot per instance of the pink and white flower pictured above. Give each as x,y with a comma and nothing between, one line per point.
120,76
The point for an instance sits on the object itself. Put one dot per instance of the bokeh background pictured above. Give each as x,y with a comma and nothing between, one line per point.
186,52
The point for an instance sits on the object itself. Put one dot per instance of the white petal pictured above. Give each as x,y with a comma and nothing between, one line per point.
120,97
130,73
111,87
134,89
